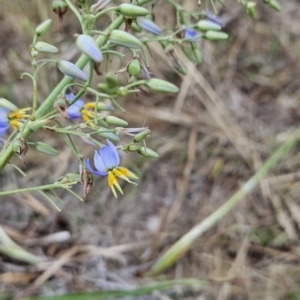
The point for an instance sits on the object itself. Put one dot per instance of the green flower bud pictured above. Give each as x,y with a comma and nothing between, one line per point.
108,135
141,136
132,11
133,148
144,151
186,49
112,80
43,27
103,87
215,35
159,85
111,120
250,9
275,5
135,27
88,46
71,70
103,106
44,148
122,38
134,68
43,47
196,52
7,104
205,25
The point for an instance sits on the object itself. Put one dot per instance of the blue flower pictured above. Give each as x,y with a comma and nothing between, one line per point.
74,110
213,18
4,122
106,161
190,35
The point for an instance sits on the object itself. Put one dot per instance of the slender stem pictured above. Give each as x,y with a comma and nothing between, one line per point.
184,243
76,12
102,12
34,188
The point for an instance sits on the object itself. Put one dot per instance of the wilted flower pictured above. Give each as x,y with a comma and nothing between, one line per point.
11,118
190,35
106,161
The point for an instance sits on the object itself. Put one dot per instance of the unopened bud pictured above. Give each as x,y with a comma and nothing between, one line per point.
132,148
69,69
159,85
275,5
144,151
112,80
251,10
43,47
148,26
88,46
45,148
112,120
205,25
141,136
125,39
215,35
103,87
43,27
131,10
108,135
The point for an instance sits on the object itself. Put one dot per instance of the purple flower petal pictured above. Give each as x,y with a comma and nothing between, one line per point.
108,157
115,151
190,34
88,165
99,164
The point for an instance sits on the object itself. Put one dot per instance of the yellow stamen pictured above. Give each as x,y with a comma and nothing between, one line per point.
15,124
127,173
113,182
90,105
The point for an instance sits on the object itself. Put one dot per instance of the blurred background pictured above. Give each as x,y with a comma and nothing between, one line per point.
232,112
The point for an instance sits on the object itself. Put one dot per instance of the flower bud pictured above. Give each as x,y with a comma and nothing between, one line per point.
133,148
131,10
122,38
43,27
103,87
135,27
250,9
159,85
213,18
69,69
112,80
188,52
215,35
43,47
205,25
45,148
88,46
112,120
196,52
141,136
144,151
7,104
134,68
109,135
148,26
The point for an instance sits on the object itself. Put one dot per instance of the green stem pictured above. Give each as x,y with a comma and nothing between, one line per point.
184,243
34,188
76,12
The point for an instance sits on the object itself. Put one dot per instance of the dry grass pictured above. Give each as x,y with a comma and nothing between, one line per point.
231,113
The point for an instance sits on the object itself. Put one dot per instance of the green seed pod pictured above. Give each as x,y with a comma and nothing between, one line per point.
109,135
71,70
134,68
122,38
275,5
132,11
144,151
43,47
215,35
60,7
196,52
112,80
205,25
103,87
111,120
141,136
88,46
159,85
188,52
43,27
44,148
7,104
